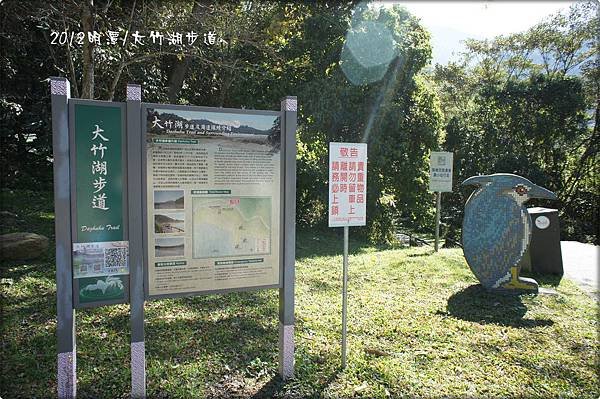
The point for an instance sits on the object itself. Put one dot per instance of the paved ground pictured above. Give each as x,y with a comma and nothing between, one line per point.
580,263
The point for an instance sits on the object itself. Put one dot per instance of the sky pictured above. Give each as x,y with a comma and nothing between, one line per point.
450,22
171,195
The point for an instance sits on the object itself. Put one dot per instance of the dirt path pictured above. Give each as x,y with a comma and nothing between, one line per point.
580,263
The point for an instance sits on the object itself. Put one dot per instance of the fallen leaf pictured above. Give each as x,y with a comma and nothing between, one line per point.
361,387
376,352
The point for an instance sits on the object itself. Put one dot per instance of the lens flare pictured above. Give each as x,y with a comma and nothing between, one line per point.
370,49
367,52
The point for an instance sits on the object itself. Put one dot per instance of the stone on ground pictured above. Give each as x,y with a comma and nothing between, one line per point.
22,246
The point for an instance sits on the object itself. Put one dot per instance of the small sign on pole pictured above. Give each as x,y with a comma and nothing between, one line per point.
440,171
347,203
347,184
440,180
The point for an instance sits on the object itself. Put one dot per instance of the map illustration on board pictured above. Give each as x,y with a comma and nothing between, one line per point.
231,226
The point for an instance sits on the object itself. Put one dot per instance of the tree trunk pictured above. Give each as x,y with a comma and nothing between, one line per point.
87,24
177,77
227,81
179,71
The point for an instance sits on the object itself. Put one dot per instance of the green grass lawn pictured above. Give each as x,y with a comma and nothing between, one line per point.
418,326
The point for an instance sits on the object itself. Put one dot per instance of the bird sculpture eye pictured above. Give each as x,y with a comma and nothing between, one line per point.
521,190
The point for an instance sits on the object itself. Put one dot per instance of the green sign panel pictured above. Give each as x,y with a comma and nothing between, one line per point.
101,289
99,163
100,256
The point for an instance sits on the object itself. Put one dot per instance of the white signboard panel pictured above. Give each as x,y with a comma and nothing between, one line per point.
347,184
213,198
440,171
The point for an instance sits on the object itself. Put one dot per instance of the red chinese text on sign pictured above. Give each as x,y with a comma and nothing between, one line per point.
347,184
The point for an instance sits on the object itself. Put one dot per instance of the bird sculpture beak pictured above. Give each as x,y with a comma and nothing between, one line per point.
541,192
476,181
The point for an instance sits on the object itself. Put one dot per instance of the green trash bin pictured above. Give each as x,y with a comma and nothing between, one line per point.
545,256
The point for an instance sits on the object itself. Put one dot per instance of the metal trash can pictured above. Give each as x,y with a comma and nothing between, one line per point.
545,256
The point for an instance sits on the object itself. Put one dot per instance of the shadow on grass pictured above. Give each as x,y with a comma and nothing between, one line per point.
547,279
16,269
476,304
428,253
313,375
237,340
272,387
32,209
277,387
317,243
245,324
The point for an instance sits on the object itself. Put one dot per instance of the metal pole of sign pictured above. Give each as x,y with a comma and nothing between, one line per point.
60,91
437,219
345,297
136,268
289,106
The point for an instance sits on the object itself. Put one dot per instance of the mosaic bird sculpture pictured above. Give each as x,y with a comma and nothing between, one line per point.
497,230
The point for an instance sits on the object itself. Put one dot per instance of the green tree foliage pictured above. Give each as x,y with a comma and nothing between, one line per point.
269,50
524,104
25,130
399,117
198,74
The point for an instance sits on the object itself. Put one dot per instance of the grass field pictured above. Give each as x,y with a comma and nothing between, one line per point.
419,326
